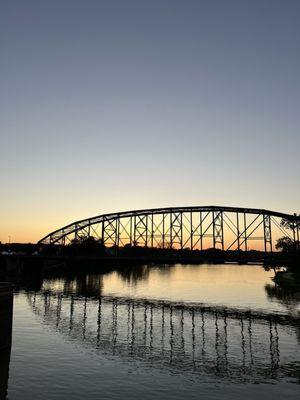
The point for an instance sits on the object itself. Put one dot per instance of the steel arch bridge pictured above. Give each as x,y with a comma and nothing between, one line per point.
194,228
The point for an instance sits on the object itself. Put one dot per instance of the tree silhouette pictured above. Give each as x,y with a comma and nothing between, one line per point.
291,224
287,245
85,245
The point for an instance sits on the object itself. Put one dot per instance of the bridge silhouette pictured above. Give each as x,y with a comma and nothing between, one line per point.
231,344
193,228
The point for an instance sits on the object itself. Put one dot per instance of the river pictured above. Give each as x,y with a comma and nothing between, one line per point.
156,332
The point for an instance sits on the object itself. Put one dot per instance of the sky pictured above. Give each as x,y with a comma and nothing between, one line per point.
118,105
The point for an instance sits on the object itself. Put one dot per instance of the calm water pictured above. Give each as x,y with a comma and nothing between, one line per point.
207,331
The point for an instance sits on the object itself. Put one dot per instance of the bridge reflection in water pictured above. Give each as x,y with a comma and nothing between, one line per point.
218,342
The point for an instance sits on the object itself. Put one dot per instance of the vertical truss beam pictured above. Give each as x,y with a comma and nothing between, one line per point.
295,228
176,229
238,231
245,232
194,231
218,230
191,233
110,232
267,233
152,231
163,231
201,231
140,230
124,232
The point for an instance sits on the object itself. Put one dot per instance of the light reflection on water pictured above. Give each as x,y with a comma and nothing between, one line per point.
82,342
240,286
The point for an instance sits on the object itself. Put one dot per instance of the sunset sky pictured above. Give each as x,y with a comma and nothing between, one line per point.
118,105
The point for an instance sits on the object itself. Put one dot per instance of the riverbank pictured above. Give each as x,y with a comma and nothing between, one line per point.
20,262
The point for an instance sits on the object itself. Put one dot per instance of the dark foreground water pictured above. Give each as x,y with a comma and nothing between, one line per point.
196,332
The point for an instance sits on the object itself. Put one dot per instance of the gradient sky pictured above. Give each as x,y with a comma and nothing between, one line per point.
116,105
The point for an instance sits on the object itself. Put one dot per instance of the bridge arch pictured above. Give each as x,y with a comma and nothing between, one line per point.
194,227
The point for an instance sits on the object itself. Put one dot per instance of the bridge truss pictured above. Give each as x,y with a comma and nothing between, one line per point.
194,228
